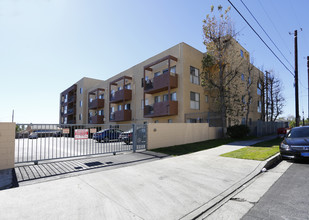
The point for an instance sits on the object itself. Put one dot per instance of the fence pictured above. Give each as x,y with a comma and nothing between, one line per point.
262,128
35,142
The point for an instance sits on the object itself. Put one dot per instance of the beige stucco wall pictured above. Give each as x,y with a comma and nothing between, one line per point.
170,134
7,145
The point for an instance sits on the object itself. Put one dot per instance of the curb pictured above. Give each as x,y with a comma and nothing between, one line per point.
211,206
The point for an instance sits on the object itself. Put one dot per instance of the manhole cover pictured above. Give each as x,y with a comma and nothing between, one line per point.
92,164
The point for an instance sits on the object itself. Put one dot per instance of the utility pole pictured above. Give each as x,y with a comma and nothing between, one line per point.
296,80
308,83
13,116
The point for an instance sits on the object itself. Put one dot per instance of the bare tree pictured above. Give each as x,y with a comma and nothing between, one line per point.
274,100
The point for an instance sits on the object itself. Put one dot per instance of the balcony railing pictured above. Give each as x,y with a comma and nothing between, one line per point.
119,96
161,83
97,119
96,103
70,111
160,109
123,115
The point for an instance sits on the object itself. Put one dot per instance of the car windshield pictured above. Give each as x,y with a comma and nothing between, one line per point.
299,133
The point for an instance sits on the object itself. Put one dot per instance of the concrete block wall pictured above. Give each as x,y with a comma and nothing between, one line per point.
7,145
170,134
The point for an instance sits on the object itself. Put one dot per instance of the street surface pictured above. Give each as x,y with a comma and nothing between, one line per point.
287,198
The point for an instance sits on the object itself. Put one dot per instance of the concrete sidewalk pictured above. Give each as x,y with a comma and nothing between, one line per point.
173,188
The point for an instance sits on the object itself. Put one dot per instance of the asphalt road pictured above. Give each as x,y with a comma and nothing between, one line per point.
288,198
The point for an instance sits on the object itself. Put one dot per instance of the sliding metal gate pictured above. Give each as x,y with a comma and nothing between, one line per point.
36,142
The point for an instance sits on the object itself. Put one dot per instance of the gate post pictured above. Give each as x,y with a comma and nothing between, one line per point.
134,137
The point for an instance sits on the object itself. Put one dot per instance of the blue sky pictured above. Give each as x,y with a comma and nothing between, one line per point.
46,46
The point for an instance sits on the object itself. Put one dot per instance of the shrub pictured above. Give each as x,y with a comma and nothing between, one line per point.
238,131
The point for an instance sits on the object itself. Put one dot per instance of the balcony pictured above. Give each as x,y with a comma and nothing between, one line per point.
161,83
96,103
72,99
123,115
71,111
97,119
121,95
160,109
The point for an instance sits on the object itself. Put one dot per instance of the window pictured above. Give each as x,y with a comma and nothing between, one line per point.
242,53
243,99
119,107
112,109
65,109
80,103
165,98
66,98
242,77
156,74
127,106
194,100
206,98
101,96
65,120
156,121
194,75
173,69
157,99
165,71
119,88
101,112
174,96
259,107
243,121
259,88
142,103
169,121
128,86
80,117
249,80
80,90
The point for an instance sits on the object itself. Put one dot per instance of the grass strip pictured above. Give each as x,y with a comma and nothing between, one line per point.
198,146
260,151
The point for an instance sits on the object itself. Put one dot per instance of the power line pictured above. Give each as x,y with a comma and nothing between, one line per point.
274,8
266,33
262,39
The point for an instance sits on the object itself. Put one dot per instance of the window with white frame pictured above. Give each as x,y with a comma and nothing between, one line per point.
119,107
259,107
128,86
242,77
65,109
80,90
194,75
242,53
157,99
173,70
165,97
127,106
66,98
157,74
194,100
259,88
174,96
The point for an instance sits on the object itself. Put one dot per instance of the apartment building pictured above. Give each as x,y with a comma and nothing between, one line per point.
165,88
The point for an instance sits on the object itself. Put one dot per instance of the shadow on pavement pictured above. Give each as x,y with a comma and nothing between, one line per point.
71,167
